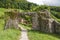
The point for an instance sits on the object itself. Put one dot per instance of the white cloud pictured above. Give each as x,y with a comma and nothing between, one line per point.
47,2
36,1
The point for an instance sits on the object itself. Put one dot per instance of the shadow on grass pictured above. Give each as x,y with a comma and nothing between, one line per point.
50,34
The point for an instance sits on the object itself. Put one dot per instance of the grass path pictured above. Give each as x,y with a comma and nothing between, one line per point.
24,35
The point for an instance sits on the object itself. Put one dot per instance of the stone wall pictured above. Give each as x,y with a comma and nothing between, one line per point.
56,27
48,24
40,21
35,25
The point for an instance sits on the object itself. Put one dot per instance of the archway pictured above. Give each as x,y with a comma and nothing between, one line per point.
12,19
33,19
40,21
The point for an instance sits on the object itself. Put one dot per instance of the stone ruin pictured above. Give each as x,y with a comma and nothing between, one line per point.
44,22
41,21
11,19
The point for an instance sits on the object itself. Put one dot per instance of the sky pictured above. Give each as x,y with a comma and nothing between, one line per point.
46,2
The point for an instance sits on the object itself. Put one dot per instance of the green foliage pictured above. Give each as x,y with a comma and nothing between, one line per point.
55,18
18,4
55,11
56,14
39,8
27,26
11,14
54,8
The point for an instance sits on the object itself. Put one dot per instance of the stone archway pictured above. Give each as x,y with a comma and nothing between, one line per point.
34,17
44,17
40,21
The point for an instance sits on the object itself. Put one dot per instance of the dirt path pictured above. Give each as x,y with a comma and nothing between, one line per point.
24,35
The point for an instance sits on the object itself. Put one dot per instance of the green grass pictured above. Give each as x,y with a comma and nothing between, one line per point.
36,35
9,34
2,10
28,27
13,34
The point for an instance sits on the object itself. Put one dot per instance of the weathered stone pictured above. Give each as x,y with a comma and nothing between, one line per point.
56,27
48,24
11,20
35,25
40,21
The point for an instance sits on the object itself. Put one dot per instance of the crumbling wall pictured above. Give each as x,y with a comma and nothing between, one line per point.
35,24
11,19
56,27
40,21
45,21
48,24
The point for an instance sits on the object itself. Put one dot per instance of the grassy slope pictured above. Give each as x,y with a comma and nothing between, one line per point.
55,18
9,34
36,35
26,26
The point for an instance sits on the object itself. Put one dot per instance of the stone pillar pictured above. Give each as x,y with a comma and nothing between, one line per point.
35,22
11,20
50,25
11,24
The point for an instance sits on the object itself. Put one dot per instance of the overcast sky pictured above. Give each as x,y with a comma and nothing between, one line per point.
47,2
